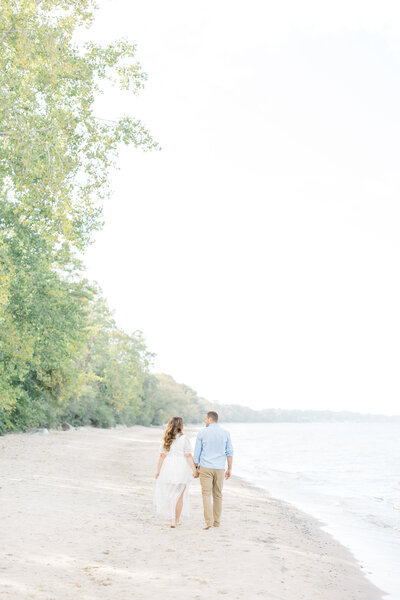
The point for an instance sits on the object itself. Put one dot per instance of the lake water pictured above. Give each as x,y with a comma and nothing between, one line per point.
345,474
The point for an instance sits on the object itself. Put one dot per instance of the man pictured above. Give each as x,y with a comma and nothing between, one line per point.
213,447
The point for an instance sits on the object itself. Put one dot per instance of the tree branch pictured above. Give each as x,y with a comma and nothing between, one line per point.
7,33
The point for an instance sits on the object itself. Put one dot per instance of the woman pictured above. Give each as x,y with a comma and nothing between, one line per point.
174,471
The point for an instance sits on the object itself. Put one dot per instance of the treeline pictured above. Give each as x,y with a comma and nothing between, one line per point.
169,398
61,355
241,414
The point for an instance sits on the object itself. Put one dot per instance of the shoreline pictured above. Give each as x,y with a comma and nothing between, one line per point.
79,520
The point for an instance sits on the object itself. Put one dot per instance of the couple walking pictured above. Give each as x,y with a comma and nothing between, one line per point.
177,466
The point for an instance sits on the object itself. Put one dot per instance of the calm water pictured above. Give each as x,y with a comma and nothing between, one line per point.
345,474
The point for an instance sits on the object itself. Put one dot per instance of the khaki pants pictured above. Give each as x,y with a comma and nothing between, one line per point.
212,481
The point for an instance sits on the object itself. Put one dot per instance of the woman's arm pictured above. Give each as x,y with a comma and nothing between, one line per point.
160,462
190,460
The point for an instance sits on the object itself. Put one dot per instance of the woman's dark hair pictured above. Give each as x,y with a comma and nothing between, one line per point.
174,427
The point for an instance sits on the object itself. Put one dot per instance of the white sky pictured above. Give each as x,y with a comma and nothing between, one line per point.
259,250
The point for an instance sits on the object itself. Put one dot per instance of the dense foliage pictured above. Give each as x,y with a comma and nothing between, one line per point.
61,354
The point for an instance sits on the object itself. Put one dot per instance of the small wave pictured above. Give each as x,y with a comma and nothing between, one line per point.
381,523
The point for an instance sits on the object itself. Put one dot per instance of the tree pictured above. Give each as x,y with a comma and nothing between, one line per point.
169,398
55,156
55,153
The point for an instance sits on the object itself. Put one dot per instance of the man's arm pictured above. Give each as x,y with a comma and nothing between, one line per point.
197,449
228,472
229,456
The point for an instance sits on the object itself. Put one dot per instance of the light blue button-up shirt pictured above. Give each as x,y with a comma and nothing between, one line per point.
213,445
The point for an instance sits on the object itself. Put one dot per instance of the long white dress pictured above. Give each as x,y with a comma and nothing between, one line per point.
174,478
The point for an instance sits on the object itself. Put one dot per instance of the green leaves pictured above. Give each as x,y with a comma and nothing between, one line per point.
62,357
168,398
55,153
57,348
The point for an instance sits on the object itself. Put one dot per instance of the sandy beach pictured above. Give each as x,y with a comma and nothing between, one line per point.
78,523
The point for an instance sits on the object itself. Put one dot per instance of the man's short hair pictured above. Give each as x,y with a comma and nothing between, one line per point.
213,415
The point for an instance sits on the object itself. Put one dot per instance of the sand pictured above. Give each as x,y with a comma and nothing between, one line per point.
78,523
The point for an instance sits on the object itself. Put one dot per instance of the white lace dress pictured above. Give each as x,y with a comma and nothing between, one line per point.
174,478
